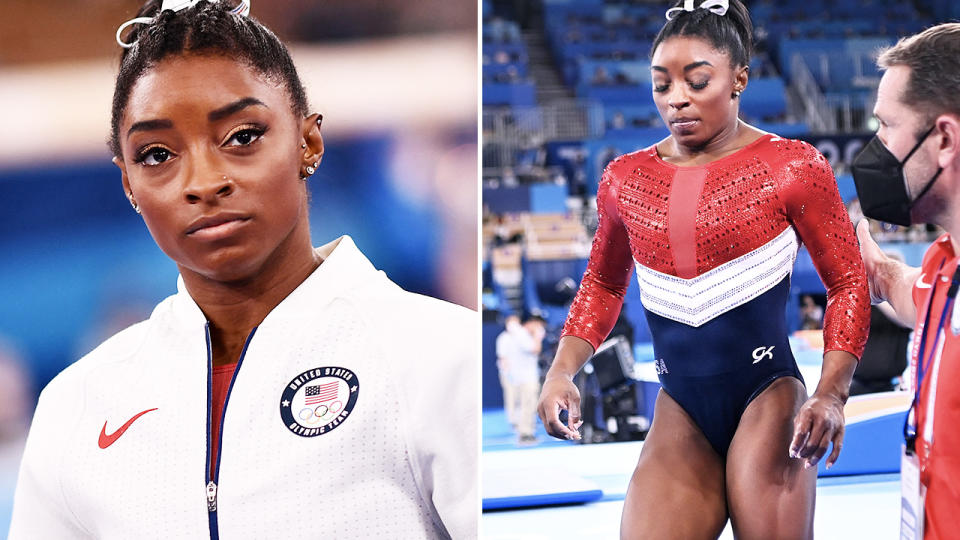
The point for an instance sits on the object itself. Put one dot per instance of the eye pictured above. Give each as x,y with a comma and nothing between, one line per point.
660,88
699,86
153,156
245,137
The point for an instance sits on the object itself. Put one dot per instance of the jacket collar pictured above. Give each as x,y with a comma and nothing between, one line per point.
343,268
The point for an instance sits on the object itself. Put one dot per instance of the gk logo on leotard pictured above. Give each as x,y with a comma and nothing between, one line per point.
661,366
761,352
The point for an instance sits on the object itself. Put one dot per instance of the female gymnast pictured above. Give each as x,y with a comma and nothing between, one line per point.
284,391
712,218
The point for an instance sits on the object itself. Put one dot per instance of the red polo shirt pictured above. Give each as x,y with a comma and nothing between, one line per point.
938,407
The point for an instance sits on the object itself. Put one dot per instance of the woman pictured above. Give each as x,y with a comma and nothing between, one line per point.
712,218
284,391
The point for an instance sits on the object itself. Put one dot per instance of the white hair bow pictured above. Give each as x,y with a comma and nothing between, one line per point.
243,8
718,7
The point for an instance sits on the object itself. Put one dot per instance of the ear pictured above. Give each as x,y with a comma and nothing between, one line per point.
313,153
740,78
124,179
948,154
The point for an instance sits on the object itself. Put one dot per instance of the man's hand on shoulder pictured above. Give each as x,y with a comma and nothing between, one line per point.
889,279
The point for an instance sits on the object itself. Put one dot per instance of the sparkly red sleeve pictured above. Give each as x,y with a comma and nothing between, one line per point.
597,305
813,205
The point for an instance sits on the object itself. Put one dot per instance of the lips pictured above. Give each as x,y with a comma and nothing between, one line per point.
216,224
683,123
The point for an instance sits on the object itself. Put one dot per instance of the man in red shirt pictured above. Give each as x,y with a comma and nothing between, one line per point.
910,173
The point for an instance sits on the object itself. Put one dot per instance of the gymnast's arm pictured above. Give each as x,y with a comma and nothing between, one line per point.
814,207
592,315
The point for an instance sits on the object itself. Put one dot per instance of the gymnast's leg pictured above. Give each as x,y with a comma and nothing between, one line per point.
677,489
769,494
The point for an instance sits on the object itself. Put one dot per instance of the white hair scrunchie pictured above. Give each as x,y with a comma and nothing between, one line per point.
718,7
243,9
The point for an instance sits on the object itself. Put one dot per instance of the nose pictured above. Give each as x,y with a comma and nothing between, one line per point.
206,183
677,99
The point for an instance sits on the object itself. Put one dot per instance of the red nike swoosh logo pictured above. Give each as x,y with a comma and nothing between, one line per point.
106,440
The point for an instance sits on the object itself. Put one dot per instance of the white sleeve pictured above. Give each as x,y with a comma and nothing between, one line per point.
39,506
526,342
445,416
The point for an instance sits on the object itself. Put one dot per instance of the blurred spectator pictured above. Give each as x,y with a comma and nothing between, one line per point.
622,78
573,36
508,76
811,314
518,354
618,121
885,356
16,391
601,77
498,30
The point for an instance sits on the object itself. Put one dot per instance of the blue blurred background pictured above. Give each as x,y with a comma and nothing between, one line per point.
398,92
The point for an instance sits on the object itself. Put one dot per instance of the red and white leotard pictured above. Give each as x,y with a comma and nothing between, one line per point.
706,240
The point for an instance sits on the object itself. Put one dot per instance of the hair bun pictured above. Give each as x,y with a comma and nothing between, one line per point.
150,8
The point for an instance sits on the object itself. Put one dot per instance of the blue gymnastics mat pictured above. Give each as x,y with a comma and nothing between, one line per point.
530,487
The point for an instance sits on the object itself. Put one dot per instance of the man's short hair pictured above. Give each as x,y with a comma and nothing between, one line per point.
534,317
933,57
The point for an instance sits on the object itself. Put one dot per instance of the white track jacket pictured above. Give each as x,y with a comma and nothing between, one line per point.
353,413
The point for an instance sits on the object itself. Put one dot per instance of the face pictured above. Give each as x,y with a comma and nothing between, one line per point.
900,127
212,155
693,85
535,327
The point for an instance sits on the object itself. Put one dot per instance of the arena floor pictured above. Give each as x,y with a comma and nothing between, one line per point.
866,506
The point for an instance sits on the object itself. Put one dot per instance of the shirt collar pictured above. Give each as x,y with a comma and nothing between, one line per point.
945,245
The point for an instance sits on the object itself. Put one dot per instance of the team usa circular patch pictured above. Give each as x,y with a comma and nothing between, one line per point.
318,400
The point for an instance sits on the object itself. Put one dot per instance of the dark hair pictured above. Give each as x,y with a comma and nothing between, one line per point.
203,28
732,32
933,57
534,317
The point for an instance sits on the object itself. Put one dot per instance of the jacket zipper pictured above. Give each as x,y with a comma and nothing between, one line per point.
211,483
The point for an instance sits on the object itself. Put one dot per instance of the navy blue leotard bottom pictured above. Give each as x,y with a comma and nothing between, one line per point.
715,370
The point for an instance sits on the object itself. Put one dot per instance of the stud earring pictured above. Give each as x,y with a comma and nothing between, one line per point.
303,145
133,203
319,119
310,170
736,94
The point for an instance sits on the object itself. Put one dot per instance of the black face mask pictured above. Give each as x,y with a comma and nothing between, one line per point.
878,176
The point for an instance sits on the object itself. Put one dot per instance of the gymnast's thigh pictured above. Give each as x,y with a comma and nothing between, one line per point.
769,494
677,489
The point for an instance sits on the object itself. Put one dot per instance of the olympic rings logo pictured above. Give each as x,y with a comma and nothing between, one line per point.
321,413
310,404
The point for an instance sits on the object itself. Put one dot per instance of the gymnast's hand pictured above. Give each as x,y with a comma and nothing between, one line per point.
820,420
558,393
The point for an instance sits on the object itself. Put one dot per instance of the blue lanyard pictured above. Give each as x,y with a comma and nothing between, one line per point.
910,430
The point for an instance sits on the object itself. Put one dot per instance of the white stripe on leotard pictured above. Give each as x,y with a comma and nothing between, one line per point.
698,300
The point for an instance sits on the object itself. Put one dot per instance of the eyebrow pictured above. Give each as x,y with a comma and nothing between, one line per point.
235,107
149,125
686,68
213,116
